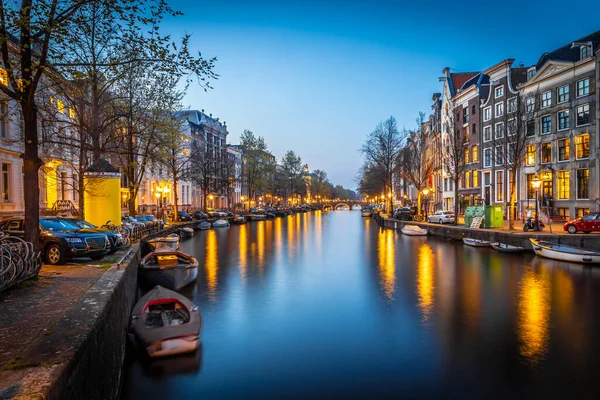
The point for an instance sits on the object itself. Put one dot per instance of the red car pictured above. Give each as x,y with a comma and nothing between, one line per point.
586,224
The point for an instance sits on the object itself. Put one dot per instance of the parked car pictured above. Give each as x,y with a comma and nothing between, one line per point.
127,219
441,217
150,220
199,215
586,224
115,238
183,216
61,240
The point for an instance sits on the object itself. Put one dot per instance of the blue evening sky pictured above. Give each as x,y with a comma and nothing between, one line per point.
317,76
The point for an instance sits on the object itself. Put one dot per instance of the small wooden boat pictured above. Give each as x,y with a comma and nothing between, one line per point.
414,230
270,215
326,208
506,248
165,323
255,217
204,225
238,219
476,242
186,232
170,242
366,213
221,223
562,252
169,268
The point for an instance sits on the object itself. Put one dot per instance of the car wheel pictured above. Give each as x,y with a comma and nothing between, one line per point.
572,229
54,254
97,258
441,221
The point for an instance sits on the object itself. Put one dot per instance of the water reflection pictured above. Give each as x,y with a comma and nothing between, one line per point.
386,252
534,312
425,279
211,263
243,250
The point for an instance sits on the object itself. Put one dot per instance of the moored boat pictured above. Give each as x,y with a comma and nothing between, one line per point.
170,242
414,230
326,208
356,207
186,232
506,248
366,213
255,217
562,252
204,225
169,268
476,242
238,219
166,323
221,223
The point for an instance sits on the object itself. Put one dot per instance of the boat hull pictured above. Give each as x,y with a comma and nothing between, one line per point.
185,233
414,231
476,242
173,278
503,248
166,243
560,252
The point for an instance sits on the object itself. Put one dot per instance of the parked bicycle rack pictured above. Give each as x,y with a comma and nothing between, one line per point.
18,261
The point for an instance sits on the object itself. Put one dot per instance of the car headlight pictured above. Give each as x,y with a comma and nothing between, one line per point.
74,240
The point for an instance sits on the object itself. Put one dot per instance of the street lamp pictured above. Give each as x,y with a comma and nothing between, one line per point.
425,193
157,195
536,185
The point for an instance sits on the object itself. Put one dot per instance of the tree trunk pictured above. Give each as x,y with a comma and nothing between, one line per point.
456,201
81,191
511,205
31,165
176,199
419,203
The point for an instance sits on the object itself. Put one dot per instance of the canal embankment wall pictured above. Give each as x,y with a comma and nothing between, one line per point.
88,344
514,238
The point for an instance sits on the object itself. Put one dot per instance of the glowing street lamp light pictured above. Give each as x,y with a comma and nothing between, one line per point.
426,192
536,185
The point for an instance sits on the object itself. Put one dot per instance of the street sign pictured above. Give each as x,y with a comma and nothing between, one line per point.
476,223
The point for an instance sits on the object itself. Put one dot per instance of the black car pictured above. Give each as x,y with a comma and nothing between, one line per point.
61,240
183,216
115,238
199,215
150,220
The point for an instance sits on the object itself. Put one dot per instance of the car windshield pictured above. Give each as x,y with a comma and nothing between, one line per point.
81,223
55,224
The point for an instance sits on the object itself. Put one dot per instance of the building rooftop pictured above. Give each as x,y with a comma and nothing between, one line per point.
571,51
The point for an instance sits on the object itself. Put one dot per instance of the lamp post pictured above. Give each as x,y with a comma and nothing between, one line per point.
157,195
425,193
242,198
536,185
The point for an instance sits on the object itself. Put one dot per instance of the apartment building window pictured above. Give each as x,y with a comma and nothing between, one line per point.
563,181
511,153
487,133
3,77
475,154
5,182
563,93
465,115
466,155
530,159
487,157
586,51
499,186
583,87
512,105
475,178
499,130
581,211
530,104
563,120
563,149
583,180
473,110
473,129
546,99
530,128
546,152
546,124
467,179
530,188
583,114
487,113
3,120
582,146
60,106
499,92
564,213
499,109
499,155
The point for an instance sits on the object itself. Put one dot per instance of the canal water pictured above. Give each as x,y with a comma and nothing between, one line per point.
327,305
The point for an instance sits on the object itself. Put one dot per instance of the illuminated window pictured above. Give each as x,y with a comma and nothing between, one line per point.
467,179
564,213
583,180
546,152
475,178
580,212
564,183
475,154
530,188
499,186
563,149
3,77
466,156
71,113
530,160
582,146
60,106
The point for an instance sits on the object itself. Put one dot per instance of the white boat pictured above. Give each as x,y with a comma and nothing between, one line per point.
507,248
476,242
255,217
562,252
165,323
170,242
366,213
221,223
342,208
186,232
414,230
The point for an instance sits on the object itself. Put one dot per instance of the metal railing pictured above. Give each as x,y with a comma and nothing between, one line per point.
18,261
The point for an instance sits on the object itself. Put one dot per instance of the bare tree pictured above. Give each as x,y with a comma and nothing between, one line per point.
382,150
203,168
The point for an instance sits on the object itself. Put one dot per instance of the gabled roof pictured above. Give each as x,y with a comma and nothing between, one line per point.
459,79
568,52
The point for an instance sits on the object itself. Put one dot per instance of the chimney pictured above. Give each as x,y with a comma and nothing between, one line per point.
203,111
211,115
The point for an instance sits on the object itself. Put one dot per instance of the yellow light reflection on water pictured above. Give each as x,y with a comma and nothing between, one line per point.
243,244
260,243
387,263
534,314
278,237
426,279
211,265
